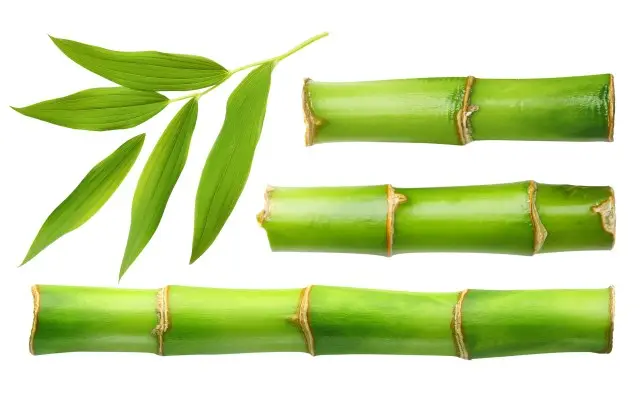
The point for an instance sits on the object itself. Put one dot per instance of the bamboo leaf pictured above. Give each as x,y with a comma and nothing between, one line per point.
88,197
100,109
157,181
229,162
145,70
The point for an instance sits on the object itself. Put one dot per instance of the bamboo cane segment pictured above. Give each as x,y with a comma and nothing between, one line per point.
423,110
523,218
470,324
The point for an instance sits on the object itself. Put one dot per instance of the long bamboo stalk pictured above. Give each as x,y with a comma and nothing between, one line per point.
522,218
178,320
460,110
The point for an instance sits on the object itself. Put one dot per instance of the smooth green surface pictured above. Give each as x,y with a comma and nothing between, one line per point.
403,110
95,319
567,214
342,321
88,197
424,109
505,323
100,109
228,165
339,219
219,321
482,219
145,70
158,178
489,218
566,109
365,321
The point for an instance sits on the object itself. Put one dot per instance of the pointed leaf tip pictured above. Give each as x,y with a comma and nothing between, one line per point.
196,253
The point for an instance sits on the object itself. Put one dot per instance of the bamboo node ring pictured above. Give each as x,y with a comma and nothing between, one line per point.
162,309
35,292
303,320
539,231
458,333
464,114
393,201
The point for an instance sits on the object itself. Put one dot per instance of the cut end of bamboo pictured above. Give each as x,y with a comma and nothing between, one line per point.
265,213
311,121
612,315
607,211
539,231
35,292
612,108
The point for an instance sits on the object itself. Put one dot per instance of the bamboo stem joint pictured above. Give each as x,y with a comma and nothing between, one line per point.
162,309
463,115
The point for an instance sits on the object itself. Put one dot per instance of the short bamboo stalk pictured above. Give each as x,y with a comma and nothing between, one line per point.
460,110
522,218
178,320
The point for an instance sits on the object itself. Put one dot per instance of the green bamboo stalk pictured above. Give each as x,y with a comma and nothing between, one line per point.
460,110
178,320
521,218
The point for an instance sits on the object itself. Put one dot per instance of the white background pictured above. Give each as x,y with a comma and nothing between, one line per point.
41,163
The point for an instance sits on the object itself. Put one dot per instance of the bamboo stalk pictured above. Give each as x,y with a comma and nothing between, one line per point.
460,110
523,218
178,320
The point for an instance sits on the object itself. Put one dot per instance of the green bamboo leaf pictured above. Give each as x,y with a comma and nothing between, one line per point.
88,197
229,162
145,70
100,109
157,180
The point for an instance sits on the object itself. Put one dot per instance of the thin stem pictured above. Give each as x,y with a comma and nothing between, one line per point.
187,96
254,64
284,55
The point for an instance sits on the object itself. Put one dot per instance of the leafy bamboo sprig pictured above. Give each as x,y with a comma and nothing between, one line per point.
141,75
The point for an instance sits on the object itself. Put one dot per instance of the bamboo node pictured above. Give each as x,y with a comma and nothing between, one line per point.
303,320
393,201
35,292
539,231
311,121
607,211
463,116
612,313
265,213
162,310
458,333
611,109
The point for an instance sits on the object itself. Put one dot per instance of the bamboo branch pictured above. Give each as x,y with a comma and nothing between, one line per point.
460,110
320,320
522,218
